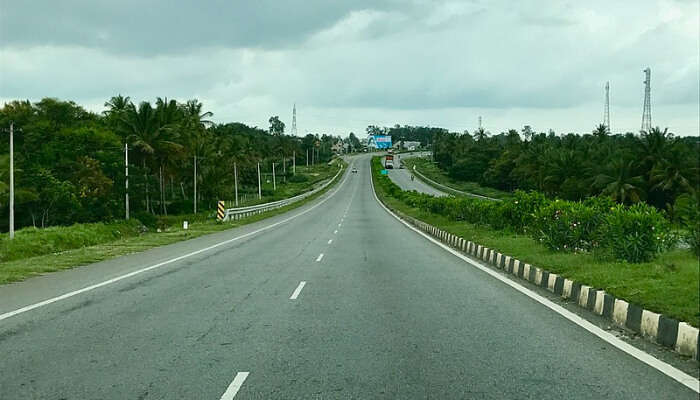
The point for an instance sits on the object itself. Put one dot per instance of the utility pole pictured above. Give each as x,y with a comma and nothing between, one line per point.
606,111
195,184
307,158
126,181
12,180
259,187
235,181
646,114
274,184
294,162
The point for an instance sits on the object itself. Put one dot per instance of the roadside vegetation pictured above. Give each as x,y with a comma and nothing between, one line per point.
37,251
70,168
654,167
431,171
629,251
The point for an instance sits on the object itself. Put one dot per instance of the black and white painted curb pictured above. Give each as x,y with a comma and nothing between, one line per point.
679,336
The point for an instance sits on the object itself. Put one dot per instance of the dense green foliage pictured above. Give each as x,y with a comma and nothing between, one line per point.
655,166
32,242
632,233
69,163
422,134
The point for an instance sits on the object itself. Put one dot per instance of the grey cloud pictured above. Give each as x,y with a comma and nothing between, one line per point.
163,26
395,58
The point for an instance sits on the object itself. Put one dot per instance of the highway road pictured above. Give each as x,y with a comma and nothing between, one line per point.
333,300
402,177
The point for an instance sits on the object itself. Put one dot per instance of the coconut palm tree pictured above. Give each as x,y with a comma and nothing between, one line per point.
619,183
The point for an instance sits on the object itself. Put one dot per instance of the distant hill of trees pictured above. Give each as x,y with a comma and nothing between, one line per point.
69,163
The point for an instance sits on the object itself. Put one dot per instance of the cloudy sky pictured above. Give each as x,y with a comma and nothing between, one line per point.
348,64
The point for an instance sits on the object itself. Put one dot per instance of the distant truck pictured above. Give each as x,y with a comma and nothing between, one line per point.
389,161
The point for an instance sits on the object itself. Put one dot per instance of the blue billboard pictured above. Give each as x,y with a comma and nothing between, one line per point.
379,141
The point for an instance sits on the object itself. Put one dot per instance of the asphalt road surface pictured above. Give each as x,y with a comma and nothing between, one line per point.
338,300
402,177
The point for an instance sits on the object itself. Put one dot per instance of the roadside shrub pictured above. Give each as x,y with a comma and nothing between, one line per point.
636,234
566,225
297,178
687,213
30,242
519,212
180,207
147,219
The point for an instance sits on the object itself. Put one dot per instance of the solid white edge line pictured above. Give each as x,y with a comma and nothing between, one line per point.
320,257
235,385
297,290
160,264
667,369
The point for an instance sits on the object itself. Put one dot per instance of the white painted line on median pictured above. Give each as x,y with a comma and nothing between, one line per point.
297,290
335,231
320,256
330,241
170,261
667,369
235,385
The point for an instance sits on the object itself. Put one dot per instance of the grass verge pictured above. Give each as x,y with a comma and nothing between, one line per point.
111,247
668,284
430,170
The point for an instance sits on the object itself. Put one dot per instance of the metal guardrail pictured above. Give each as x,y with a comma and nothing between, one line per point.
242,212
449,189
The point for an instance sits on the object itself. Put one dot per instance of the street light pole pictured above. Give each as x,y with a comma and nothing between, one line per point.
259,187
126,182
274,184
195,184
12,181
294,162
235,181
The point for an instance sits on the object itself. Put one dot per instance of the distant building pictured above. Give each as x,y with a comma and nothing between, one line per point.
338,147
406,145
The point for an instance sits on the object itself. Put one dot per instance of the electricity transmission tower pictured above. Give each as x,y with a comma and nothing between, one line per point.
646,115
294,120
606,112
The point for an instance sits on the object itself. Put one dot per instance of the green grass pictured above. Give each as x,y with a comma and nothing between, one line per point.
667,285
39,251
430,170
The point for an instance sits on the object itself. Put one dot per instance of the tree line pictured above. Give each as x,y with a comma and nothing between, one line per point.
655,166
70,163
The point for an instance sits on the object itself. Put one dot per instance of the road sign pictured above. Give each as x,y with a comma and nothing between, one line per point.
385,172
220,209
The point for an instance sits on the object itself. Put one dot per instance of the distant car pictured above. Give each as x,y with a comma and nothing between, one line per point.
354,170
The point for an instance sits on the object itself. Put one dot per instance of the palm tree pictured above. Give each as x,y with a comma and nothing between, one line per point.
600,131
654,145
167,148
673,176
150,132
195,123
618,182
117,105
